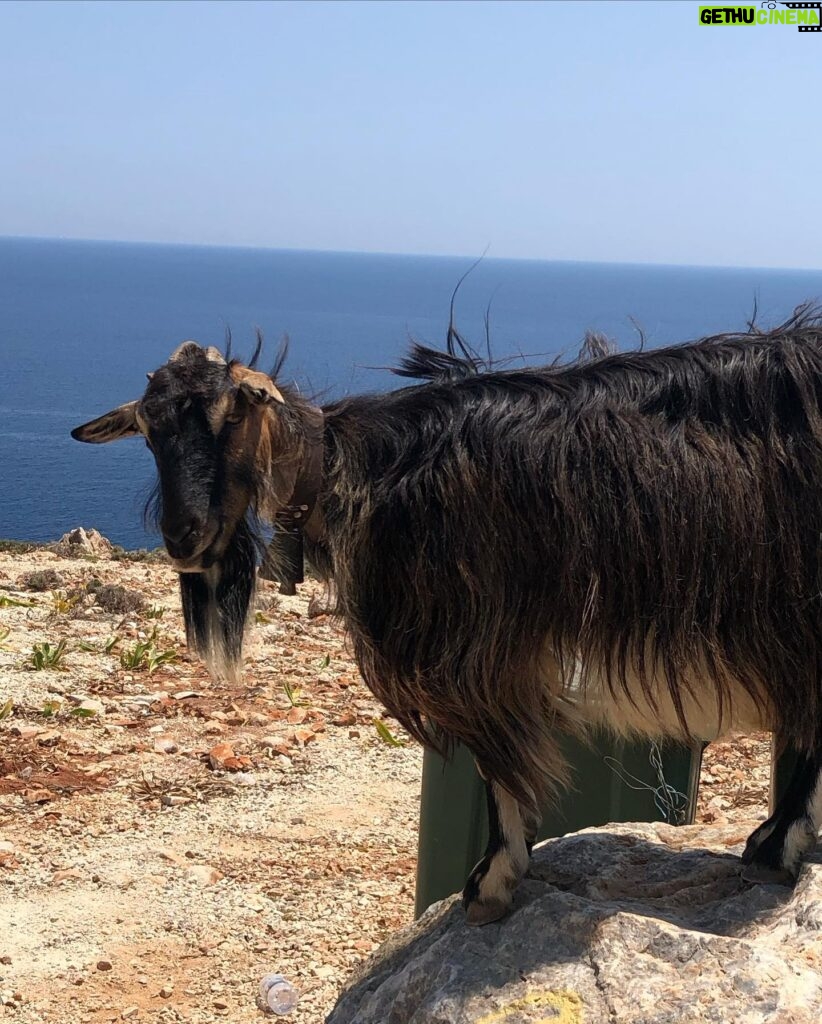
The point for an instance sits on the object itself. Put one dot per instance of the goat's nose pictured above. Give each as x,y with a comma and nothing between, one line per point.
182,530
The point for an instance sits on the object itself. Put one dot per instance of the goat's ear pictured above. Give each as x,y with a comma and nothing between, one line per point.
258,388
111,426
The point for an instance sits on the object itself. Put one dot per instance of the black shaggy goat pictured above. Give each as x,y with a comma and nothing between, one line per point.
630,541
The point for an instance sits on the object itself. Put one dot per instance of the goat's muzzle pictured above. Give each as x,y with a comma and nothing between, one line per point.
190,543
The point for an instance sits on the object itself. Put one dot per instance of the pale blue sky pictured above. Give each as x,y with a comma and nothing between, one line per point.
592,131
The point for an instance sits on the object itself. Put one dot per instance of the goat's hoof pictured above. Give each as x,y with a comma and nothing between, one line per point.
485,911
762,874
755,840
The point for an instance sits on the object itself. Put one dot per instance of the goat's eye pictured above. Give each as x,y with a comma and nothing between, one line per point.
234,418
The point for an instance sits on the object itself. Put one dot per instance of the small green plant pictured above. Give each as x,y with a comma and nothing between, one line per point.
145,655
262,619
4,633
386,735
85,645
157,658
6,709
156,611
50,708
13,602
45,656
293,695
111,643
62,603
324,662
137,656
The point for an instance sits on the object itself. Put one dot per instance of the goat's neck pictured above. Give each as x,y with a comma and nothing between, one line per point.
291,456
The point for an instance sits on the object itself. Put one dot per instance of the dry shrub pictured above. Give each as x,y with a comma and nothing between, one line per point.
119,600
41,580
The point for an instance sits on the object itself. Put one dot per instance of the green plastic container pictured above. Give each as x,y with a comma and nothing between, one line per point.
453,815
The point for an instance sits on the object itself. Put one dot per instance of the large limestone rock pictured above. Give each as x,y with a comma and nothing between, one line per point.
81,543
636,924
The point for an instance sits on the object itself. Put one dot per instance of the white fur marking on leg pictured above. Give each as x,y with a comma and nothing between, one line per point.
802,835
510,862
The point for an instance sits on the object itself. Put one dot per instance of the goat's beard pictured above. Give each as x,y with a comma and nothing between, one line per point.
216,603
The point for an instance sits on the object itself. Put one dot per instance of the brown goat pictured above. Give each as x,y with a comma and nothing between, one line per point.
630,541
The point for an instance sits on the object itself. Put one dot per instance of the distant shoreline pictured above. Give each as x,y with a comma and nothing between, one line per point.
461,258
23,547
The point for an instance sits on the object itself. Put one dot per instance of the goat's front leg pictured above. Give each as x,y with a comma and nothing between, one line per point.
775,850
512,829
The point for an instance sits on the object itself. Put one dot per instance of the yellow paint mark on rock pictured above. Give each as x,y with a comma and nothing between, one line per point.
567,1007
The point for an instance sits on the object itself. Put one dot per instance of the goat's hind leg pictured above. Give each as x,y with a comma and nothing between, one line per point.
775,850
512,829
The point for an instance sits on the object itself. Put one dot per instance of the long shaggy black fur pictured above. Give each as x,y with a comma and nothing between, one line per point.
216,602
634,514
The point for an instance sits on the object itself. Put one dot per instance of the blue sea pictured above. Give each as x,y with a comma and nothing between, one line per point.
82,322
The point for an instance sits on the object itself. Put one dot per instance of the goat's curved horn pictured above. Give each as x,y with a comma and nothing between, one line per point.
256,386
183,350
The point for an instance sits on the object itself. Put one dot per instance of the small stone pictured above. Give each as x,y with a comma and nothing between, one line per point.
91,707
218,756
205,874
167,991
104,965
26,732
222,758
68,874
131,1011
174,800
276,743
165,745
220,1004
170,855
37,795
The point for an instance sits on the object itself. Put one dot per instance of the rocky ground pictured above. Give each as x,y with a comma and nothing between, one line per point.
165,840
648,924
